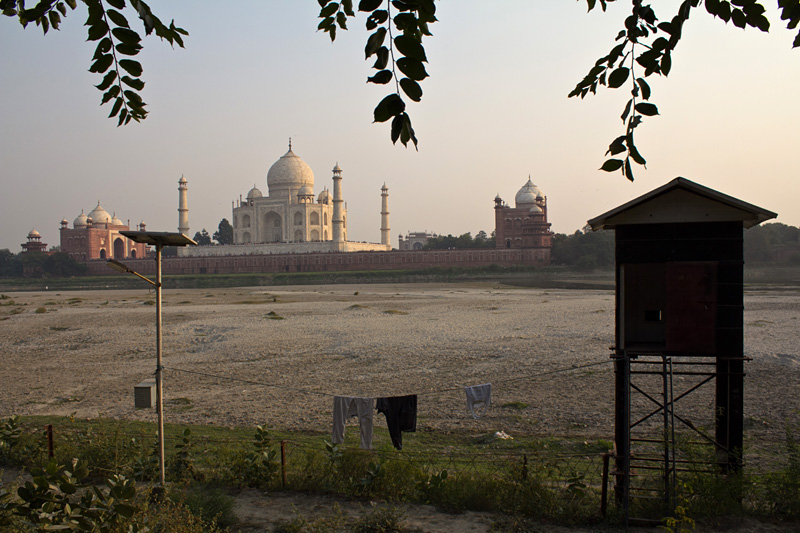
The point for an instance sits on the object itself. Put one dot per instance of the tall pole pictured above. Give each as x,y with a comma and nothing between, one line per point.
159,368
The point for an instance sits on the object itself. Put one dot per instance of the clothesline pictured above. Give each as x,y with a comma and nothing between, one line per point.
429,393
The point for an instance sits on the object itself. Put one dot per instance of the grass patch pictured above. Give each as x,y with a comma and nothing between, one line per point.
272,315
358,306
395,312
515,405
59,328
40,310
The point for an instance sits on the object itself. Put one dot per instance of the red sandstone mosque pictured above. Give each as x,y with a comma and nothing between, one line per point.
97,236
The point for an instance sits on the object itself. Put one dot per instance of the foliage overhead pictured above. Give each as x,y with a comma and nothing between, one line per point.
116,41
645,47
398,28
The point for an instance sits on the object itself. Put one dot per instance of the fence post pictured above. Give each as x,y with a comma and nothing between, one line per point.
604,488
283,463
49,428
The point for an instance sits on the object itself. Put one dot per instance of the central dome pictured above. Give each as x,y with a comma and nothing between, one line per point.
288,175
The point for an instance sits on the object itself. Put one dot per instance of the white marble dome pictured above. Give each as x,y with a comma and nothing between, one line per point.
527,194
80,220
254,193
325,197
116,221
287,174
305,190
33,234
100,215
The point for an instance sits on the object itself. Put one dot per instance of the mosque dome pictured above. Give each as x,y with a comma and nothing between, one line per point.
527,194
116,221
254,193
80,220
325,197
100,215
33,234
305,190
536,210
288,174
64,221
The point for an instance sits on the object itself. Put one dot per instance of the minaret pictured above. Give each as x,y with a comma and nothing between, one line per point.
338,219
385,215
183,207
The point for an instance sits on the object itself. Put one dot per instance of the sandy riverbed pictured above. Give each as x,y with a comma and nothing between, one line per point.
84,355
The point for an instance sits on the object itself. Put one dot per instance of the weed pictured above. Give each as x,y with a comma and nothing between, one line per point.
59,328
395,312
211,504
515,405
272,315
40,310
381,520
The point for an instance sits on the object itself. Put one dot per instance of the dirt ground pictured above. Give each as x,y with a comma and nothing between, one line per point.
290,349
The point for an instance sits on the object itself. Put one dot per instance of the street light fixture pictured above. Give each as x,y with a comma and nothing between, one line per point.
159,239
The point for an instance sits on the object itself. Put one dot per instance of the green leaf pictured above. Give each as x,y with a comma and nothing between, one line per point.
127,49
134,68
644,87
369,5
126,35
136,83
412,89
628,172
617,147
389,107
115,109
412,68
636,155
410,47
329,10
341,19
627,110
738,18
646,109
111,93
102,63
666,64
397,127
618,77
612,165
97,31
382,58
119,4
108,79
382,77
117,18
374,42
125,510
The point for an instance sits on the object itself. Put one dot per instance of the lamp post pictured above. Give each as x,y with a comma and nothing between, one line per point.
159,239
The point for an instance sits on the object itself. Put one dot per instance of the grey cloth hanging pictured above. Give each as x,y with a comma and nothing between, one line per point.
345,407
479,399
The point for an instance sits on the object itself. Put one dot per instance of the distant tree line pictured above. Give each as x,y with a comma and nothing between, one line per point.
767,244
774,244
56,265
449,242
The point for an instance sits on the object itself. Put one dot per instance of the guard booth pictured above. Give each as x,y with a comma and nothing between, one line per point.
679,358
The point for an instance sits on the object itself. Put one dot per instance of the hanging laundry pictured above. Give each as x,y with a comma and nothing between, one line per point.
479,399
345,407
401,415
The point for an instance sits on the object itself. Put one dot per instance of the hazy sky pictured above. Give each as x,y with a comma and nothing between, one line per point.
494,111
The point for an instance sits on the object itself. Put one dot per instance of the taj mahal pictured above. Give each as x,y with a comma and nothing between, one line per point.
291,218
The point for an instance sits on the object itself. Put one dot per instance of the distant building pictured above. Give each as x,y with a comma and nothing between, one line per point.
97,236
34,243
415,240
291,218
525,225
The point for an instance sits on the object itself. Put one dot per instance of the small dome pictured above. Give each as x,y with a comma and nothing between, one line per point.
527,194
324,197
64,221
100,215
116,221
33,234
182,180
536,210
80,220
254,193
305,190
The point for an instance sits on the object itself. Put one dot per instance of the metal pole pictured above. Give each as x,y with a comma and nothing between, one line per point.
159,377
